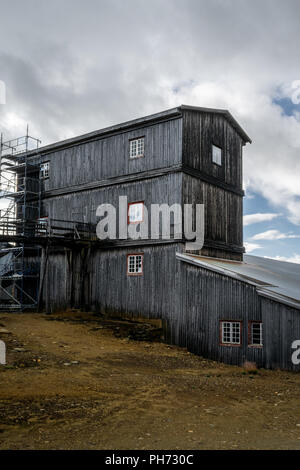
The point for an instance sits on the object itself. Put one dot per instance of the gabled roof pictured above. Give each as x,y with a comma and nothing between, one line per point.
277,280
135,123
227,116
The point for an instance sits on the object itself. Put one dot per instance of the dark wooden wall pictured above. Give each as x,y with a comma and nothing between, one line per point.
219,188
82,176
200,131
177,168
208,297
191,300
98,280
108,157
223,217
282,327
81,206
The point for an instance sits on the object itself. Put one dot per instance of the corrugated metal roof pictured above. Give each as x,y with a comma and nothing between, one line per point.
275,279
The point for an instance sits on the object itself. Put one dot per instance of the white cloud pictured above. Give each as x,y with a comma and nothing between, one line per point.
251,246
289,259
273,235
255,218
186,52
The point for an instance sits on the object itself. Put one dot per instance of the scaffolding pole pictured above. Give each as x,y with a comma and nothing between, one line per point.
20,194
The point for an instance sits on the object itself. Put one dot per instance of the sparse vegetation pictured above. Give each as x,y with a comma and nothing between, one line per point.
76,381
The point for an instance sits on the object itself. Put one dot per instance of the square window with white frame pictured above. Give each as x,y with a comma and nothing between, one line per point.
45,170
217,155
255,334
135,264
231,333
137,147
135,212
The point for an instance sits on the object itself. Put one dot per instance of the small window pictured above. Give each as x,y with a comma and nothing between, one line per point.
45,167
231,333
135,212
255,334
135,264
217,155
42,225
137,148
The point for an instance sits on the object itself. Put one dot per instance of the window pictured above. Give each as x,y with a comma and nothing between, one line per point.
42,225
255,334
45,167
217,155
135,212
135,264
137,147
231,332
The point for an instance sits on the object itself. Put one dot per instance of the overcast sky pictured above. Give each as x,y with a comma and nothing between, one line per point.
74,66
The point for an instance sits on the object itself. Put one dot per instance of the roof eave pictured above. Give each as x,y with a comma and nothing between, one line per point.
225,113
261,290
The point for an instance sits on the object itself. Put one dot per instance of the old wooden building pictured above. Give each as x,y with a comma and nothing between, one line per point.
210,300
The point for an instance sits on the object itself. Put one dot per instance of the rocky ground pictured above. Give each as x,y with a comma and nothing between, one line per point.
76,381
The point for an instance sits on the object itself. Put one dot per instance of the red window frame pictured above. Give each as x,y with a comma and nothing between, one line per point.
128,208
238,345
142,264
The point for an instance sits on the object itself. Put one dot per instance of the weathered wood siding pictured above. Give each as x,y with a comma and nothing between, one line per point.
219,187
282,326
200,131
155,294
108,157
58,287
82,206
208,298
191,300
223,216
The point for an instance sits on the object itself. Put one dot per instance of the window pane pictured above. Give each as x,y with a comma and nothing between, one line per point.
135,212
231,332
256,334
45,170
217,155
137,148
135,264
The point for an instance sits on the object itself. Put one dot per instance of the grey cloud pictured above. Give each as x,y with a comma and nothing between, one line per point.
73,66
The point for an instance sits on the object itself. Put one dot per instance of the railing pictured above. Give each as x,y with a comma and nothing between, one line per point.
48,228
10,188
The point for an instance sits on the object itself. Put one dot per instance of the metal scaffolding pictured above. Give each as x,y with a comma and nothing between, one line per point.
25,236
20,197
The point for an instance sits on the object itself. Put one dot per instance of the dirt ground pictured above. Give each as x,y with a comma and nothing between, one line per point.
76,381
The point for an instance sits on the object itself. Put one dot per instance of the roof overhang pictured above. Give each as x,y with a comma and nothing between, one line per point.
138,123
263,289
227,115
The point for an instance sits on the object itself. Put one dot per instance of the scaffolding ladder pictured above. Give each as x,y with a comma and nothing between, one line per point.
20,200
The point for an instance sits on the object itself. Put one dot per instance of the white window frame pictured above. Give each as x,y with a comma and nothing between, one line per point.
133,212
43,224
135,264
137,147
252,323
231,333
217,155
45,170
